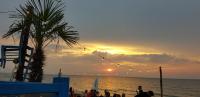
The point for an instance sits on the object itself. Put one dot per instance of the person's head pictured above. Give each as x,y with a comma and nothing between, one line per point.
114,95
97,93
150,93
139,87
123,94
70,89
86,91
105,91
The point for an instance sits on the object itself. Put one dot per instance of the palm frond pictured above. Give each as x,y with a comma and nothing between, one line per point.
14,28
69,36
53,33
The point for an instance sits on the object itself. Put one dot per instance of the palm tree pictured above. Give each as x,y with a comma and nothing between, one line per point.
47,25
23,25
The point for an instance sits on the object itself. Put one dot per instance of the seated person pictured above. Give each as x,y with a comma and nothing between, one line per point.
139,90
145,94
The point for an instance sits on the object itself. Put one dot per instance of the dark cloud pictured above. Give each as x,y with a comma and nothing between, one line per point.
149,59
157,59
94,63
168,26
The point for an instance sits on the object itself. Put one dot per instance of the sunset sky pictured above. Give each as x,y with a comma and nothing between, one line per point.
124,38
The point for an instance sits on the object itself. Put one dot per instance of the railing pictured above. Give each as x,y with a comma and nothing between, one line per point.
13,53
59,88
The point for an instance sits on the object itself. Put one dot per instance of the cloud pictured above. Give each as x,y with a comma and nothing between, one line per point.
93,61
155,59
103,58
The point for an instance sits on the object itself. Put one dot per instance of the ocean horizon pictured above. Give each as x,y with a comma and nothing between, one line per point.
128,85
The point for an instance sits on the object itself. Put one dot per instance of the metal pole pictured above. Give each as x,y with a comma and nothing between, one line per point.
161,83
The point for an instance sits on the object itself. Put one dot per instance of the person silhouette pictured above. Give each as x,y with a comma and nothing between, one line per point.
145,94
139,90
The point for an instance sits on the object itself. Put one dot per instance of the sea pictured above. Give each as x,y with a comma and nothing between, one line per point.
128,85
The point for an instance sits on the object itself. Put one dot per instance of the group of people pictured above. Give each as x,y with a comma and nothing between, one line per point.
94,93
91,93
141,93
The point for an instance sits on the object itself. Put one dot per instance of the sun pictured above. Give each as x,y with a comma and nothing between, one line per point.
109,70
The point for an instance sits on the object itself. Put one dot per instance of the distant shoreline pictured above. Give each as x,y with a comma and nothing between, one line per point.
128,77
166,78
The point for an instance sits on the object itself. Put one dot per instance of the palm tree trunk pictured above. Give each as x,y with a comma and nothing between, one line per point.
23,46
36,74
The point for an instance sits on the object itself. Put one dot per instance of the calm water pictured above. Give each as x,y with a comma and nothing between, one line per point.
127,85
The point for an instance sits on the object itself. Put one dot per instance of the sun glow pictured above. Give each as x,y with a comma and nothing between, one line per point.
90,48
117,49
109,70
